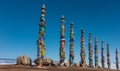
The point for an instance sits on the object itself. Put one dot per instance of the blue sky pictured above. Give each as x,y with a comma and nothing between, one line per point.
19,25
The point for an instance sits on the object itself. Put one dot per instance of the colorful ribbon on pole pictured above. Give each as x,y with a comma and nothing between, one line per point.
108,56
82,54
96,53
90,51
117,63
71,55
102,55
62,41
40,42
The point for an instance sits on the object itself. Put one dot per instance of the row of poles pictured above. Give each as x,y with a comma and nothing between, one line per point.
41,46
82,54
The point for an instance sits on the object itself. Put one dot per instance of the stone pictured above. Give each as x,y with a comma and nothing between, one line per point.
54,63
46,61
66,63
23,60
99,67
75,65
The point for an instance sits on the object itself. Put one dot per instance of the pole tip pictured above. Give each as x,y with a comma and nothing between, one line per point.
72,22
62,16
43,6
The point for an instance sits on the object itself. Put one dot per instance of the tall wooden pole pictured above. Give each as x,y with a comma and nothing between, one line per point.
62,40
82,54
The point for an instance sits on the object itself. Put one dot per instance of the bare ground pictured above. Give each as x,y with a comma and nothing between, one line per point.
35,68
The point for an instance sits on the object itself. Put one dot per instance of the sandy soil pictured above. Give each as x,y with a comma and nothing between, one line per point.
35,68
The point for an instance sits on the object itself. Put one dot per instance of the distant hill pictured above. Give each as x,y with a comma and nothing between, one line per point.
7,61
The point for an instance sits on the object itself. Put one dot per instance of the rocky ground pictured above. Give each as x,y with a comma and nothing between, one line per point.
35,68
